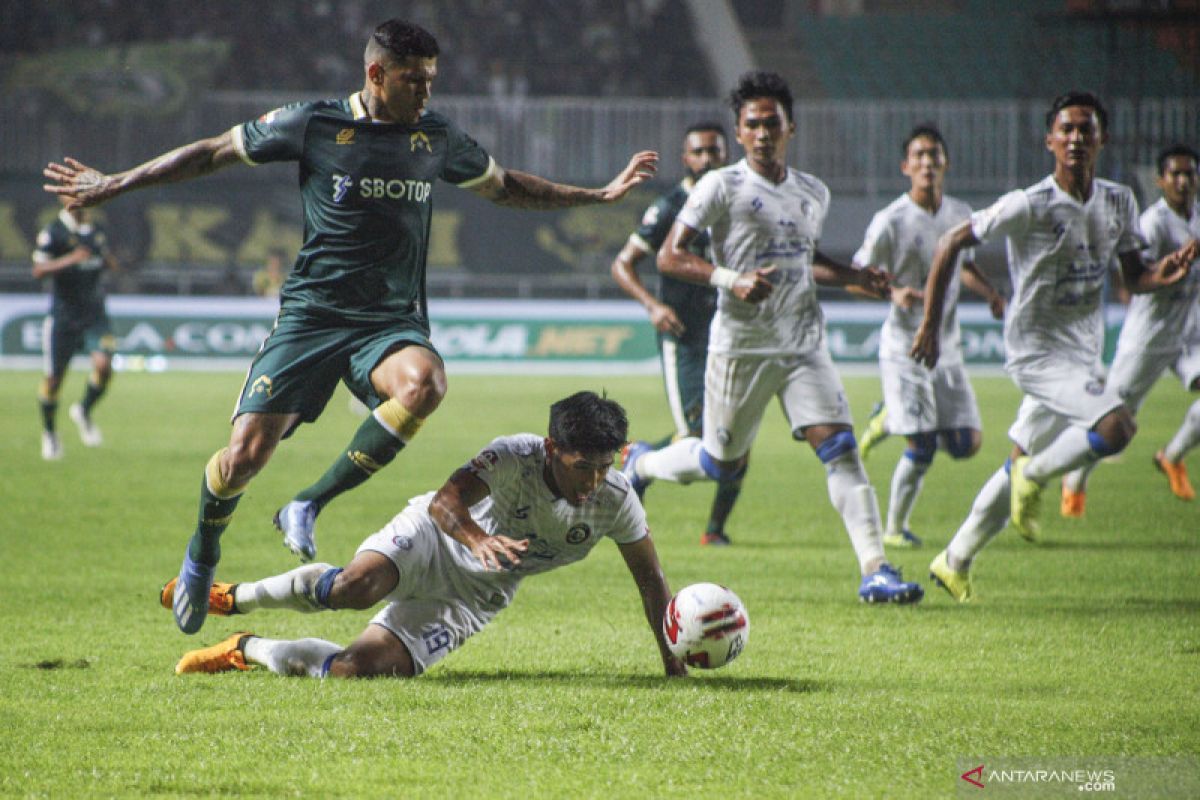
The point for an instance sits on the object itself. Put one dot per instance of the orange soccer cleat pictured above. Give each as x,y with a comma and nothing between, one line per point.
1072,503
220,598
221,657
1176,473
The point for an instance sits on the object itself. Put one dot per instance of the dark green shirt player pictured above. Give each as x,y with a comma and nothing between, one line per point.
353,308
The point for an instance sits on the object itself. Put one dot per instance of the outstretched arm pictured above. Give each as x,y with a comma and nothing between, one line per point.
974,279
624,272
926,348
450,508
509,187
675,260
642,560
86,186
77,256
866,282
1141,278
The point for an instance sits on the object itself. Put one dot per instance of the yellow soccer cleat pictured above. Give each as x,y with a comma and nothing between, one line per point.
220,598
1072,503
904,540
1181,487
221,657
875,432
958,584
1025,501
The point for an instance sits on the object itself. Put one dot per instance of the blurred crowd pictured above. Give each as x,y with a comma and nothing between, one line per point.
499,47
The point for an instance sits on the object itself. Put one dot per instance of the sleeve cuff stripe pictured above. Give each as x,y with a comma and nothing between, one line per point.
487,174
239,145
640,243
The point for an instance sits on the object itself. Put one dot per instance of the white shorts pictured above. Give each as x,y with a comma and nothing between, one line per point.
737,390
1059,395
435,606
923,400
1135,373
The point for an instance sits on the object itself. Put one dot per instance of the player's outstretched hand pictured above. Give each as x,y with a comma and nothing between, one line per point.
906,296
926,348
640,169
875,282
665,320
498,552
1176,266
996,305
81,184
756,286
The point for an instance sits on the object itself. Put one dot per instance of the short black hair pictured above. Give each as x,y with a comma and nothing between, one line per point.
1078,98
585,422
400,39
1173,151
753,85
707,126
927,130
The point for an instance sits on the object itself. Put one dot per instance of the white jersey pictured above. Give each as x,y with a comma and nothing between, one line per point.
901,239
1059,252
1161,321
521,506
755,223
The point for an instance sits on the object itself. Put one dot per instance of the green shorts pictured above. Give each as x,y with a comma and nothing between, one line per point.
683,378
300,363
63,337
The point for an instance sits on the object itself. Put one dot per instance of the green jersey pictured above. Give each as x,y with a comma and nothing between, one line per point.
75,291
693,304
366,189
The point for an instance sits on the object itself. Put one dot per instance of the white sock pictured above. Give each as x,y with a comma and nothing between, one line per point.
1187,437
678,462
906,486
989,513
1070,450
854,498
293,590
1076,480
298,657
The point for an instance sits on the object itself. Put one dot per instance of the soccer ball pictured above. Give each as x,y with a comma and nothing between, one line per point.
706,625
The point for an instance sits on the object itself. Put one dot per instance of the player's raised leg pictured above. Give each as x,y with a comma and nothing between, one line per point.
1170,459
97,385
951,568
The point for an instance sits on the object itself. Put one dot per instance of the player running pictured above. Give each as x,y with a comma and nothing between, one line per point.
452,560
1162,329
926,406
682,312
72,251
354,306
768,336
1062,233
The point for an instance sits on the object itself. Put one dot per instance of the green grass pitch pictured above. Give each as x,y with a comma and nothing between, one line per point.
1088,645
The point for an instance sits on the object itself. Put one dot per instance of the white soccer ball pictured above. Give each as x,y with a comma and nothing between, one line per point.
706,625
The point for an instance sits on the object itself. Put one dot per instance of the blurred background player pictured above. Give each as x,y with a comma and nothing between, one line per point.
768,335
452,560
1062,233
72,251
924,405
354,307
1161,329
268,281
682,312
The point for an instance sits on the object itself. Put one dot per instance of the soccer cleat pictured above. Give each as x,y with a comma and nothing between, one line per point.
885,585
717,539
1025,501
629,458
1176,473
1072,503
190,603
875,432
223,656
905,539
52,449
297,521
220,597
88,431
958,584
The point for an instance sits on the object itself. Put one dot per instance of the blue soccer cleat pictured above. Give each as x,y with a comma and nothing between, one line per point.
297,522
885,585
191,594
630,455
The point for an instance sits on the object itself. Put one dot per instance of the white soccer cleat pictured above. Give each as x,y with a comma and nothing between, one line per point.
88,431
52,449
297,522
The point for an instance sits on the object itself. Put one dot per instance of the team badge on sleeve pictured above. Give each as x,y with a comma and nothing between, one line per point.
484,462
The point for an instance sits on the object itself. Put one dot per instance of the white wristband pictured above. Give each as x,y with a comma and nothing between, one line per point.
723,277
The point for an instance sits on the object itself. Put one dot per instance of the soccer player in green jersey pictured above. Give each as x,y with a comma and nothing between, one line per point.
353,307
72,251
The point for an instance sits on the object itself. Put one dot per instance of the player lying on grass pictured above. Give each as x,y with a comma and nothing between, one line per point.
452,560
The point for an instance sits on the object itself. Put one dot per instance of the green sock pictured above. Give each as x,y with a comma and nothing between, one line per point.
726,495
372,448
49,412
90,397
215,516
